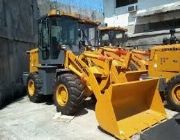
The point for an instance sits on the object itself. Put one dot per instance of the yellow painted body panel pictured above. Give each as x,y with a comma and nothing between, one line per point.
62,95
130,108
132,105
34,60
165,61
31,87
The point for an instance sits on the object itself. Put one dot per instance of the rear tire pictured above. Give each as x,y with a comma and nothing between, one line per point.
68,93
34,94
173,93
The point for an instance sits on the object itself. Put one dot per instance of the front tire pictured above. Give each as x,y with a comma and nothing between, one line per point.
68,93
173,92
34,88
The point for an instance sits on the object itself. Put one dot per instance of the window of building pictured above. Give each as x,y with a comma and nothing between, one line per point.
157,26
120,3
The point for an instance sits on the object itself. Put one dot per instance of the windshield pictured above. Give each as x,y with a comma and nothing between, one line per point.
63,31
118,35
88,34
111,37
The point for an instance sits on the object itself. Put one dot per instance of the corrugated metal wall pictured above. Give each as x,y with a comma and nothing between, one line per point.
18,33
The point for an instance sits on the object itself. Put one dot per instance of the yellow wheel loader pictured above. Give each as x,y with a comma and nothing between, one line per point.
165,63
130,108
162,61
112,39
123,107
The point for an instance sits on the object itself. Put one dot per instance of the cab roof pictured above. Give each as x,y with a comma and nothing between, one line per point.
58,13
113,29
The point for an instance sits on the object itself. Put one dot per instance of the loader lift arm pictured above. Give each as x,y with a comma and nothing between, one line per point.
139,60
130,60
119,92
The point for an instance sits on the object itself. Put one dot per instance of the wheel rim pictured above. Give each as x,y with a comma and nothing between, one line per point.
31,87
62,95
176,94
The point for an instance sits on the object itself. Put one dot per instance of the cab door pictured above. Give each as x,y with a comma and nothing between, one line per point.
44,46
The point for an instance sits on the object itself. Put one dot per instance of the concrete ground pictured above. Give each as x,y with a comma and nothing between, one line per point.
23,120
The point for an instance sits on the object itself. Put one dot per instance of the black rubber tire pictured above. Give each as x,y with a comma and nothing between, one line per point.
75,93
170,85
37,97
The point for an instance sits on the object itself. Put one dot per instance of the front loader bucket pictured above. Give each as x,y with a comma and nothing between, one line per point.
129,108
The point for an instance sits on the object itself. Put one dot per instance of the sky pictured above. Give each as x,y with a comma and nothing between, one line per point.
89,4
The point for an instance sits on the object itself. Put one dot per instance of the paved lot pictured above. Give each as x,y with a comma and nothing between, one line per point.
23,120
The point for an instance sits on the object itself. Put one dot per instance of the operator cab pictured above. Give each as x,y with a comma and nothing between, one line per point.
59,31
112,36
88,34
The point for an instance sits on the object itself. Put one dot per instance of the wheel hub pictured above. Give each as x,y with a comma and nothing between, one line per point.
176,94
62,95
31,87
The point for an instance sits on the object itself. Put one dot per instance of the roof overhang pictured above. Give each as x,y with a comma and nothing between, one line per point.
113,29
160,9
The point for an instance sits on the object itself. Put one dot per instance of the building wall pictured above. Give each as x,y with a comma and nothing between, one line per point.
146,27
18,33
121,17
147,4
